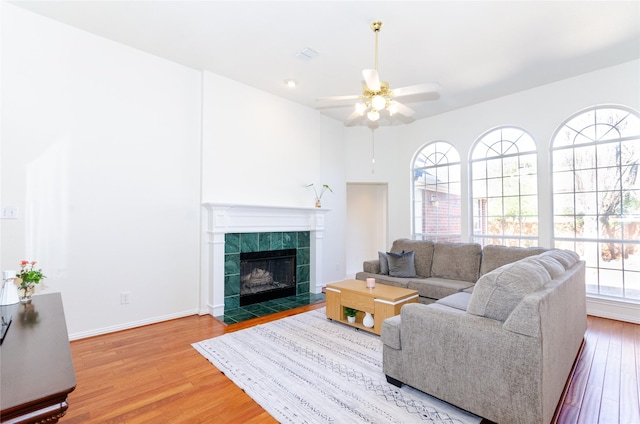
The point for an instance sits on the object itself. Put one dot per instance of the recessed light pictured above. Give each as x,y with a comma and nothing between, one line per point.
290,83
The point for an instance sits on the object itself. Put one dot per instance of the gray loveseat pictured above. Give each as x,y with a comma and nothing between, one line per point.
441,269
503,352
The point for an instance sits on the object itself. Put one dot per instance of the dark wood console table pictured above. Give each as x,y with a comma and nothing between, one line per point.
37,370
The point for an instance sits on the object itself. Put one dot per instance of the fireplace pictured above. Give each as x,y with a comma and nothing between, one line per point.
222,223
267,275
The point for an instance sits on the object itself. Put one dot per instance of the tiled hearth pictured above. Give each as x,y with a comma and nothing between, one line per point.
237,243
227,227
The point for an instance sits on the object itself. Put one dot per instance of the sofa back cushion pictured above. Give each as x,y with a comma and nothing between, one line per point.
494,256
456,261
422,254
566,257
497,293
553,267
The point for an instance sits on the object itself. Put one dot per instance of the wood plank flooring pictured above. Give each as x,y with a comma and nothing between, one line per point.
152,374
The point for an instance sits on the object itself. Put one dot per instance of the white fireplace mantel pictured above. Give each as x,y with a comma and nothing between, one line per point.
223,218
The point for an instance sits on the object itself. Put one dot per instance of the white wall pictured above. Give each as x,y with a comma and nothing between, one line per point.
259,149
101,154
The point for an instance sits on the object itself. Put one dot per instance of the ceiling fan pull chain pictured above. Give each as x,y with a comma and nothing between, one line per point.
373,151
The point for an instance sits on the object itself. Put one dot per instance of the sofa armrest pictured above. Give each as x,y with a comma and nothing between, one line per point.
471,361
372,266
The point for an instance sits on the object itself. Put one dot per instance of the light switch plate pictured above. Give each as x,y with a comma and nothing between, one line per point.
10,212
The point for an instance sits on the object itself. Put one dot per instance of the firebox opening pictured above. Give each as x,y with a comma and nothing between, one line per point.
267,275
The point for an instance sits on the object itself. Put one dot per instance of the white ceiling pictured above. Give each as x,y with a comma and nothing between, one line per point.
477,50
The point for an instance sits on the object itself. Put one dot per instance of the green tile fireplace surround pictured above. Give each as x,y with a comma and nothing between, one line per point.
237,243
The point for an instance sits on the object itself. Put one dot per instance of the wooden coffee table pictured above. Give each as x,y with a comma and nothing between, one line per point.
382,302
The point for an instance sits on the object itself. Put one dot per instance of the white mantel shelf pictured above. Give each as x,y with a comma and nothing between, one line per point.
224,218
234,218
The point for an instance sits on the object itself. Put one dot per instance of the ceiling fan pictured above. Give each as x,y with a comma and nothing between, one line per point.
377,98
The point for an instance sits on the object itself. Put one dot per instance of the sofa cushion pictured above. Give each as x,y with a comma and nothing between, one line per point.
401,264
437,288
423,254
497,293
456,261
372,266
494,256
566,257
553,267
384,263
457,300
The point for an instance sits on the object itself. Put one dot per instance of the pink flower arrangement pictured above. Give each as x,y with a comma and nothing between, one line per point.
28,274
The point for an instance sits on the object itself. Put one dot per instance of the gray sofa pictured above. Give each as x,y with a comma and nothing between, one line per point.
503,352
442,269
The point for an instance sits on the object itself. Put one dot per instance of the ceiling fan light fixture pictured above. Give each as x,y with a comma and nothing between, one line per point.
373,115
361,108
393,108
378,102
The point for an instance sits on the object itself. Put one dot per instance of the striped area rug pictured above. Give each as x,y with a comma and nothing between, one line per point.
306,369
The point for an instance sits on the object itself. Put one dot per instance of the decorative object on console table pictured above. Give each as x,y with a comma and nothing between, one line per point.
325,187
29,277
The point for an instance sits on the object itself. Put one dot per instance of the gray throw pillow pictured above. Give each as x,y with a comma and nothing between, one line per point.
384,263
401,264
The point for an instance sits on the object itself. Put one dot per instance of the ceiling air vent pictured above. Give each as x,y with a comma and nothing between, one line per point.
306,54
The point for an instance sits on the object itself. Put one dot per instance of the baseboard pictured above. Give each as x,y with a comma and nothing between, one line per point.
129,325
614,309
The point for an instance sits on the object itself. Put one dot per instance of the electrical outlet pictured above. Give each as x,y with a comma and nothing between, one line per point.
10,212
125,298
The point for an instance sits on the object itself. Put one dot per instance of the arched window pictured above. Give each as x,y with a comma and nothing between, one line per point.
596,197
436,193
504,188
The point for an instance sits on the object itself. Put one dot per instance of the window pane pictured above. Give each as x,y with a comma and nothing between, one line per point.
563,204
563,182
494,187
564,226
584,157
563,160
494,206
608,154
494,168
585,180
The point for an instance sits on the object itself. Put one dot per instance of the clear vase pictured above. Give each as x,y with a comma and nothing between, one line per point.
25,292
318,203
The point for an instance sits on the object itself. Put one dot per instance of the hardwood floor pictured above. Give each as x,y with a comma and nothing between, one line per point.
152,374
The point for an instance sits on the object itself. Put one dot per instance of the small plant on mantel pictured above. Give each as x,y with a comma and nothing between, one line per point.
324,188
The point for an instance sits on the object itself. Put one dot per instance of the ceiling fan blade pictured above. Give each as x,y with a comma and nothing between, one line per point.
429,87
338,98
372,79
402,109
